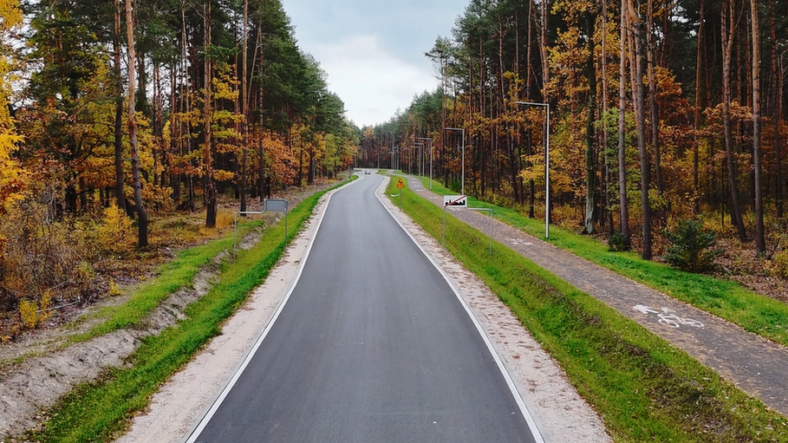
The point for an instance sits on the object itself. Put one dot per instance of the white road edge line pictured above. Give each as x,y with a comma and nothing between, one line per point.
194,434
505,372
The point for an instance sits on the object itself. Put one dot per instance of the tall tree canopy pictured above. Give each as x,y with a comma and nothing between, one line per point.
125,109
721,157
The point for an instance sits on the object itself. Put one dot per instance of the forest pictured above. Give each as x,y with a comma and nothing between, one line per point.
123,113
120,113
660,111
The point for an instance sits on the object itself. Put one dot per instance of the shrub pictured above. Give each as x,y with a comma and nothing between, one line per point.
35,313
692,247
114,233
616,242
43,255
114,289
83,275
781,263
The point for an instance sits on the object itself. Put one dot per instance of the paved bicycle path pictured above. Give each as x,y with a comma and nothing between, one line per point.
756,365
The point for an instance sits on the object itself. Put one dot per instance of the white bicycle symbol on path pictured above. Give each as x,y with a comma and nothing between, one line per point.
666,318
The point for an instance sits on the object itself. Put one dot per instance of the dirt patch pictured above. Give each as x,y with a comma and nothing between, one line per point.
37,383
54,335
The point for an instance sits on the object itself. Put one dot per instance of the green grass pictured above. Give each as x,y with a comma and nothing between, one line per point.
643,388
98,411
171,276
726,299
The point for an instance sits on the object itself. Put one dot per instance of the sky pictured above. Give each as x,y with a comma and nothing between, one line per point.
373,50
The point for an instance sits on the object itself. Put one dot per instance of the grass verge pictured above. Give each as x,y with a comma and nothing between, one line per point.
644,389
726,299
172,276
98,411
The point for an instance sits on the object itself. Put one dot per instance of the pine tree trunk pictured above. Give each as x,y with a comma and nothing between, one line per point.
695,153
244,104
652,89
590,154
777,93
760,241
142,214
116,42
310,178
175,179
622,109
265,189
727,39
210,186
778,144
645,172
543,50
605,133
545,81
158,124
480,147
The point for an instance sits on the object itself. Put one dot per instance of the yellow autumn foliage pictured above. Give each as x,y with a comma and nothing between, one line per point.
781,263
115,231
35,313
11,175
114,289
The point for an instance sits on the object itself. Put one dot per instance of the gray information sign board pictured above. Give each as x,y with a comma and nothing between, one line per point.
276,205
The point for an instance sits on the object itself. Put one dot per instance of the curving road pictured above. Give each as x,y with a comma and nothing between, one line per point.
372,345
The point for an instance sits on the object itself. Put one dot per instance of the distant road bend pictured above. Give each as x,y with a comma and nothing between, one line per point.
372,345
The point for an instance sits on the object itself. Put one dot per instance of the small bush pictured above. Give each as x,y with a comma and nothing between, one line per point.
83,275
114,233
114,289
34,313
692,247
616,242
781,263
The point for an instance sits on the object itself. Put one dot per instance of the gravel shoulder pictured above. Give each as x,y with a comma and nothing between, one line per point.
561,414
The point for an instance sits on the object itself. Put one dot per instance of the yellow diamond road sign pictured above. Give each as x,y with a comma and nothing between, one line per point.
400,184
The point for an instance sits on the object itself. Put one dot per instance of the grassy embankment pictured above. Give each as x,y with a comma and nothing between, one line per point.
98,411
726,299
645,389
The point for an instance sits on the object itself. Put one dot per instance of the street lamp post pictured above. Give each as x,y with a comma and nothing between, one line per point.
546,165
430,141
392,159
408,158
420,167
462,186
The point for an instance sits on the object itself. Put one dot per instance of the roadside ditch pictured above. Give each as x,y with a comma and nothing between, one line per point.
37,374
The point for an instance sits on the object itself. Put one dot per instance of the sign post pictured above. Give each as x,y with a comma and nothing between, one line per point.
400,185
455,201
461,201
269,205
277,206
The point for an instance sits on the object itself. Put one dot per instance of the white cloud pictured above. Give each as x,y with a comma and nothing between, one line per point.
372,83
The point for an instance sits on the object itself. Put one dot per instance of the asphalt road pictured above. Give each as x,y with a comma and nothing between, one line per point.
372,346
